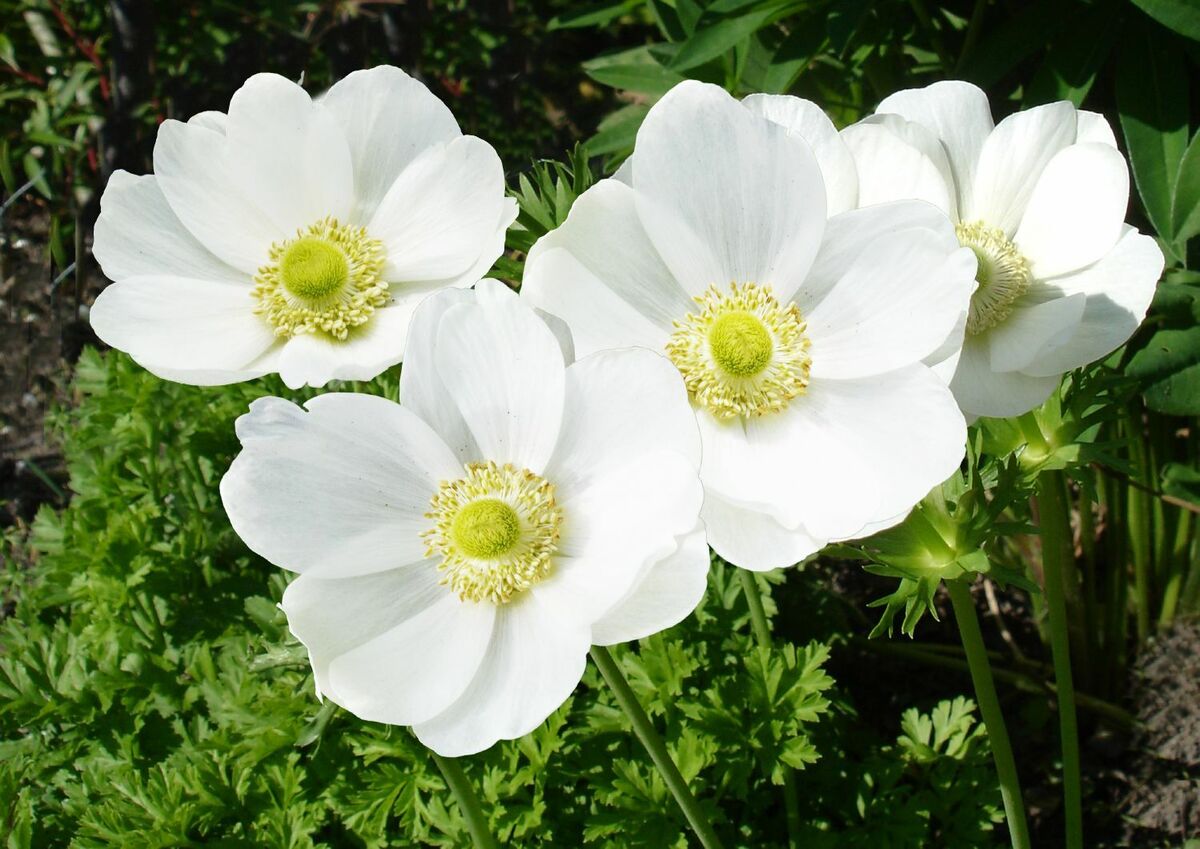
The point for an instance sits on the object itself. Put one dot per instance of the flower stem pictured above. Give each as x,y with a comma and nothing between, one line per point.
1055,523
655,747
762,634
989,707
468,802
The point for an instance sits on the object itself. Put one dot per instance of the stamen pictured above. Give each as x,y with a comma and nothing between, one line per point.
496,530
743,353
325,280
1001,271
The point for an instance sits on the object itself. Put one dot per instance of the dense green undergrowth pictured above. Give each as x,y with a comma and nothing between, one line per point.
151,696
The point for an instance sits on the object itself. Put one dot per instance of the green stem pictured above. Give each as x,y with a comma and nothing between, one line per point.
1138,518
989,707
468,802
1055,524
655,747
762,633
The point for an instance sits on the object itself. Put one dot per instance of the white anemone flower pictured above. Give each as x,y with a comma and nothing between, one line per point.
295,235
799,337
459,554
1041,199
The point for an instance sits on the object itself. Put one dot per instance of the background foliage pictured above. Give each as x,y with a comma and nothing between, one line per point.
150,695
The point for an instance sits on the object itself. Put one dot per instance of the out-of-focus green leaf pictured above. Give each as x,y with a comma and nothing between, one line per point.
1169,369
843,21
1152,97
1182,16
618,131
644,75
1075,58
711,41
1185,203
795,53
593,16
1012,39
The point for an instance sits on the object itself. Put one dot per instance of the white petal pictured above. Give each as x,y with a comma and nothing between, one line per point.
504,369
182,324
533,663
900,160
394,647
600,319
794,465
1077,210
620,405
211,120
1118,289
615,528
905,426
421,387
983,392
339,490
138,234
608,248
288,155
491,248
805,119
894,302
314,359
753,539
1012,160
958,114
441,211
667,594
192,167
1019,340
388,119
944,360
1093,127
725,194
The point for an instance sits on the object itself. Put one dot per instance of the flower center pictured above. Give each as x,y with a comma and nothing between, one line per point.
740,344
742,353
325,280
496,530
1001,271
486,529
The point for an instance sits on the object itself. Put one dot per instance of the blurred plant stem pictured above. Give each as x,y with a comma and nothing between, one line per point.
762,634
989,707
468,801
1058,553
655,747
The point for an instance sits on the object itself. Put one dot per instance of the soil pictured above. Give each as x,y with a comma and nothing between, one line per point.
43,327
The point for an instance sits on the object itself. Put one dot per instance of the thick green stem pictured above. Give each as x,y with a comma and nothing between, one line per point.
989,707
762,633
1138,518
655,747
1055,524
468,802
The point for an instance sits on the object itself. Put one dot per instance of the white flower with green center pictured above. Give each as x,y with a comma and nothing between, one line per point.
460,552
1040,198
295,235
799,336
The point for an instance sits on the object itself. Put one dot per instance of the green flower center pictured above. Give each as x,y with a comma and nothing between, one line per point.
740,344
496,531
313,268
741,352
1001,271
328,279
486,529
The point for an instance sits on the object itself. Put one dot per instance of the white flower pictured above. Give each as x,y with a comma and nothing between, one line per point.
1041,199
460,553
296,236
800,339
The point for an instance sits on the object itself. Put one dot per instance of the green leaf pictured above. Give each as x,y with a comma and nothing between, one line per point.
1182,16
1169,370
712,41
1185,203
1012,39
593,16
1073,61
617,131
644,77
1152,97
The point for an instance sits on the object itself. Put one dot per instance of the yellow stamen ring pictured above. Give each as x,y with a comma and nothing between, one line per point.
496,530
328,279
742,353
